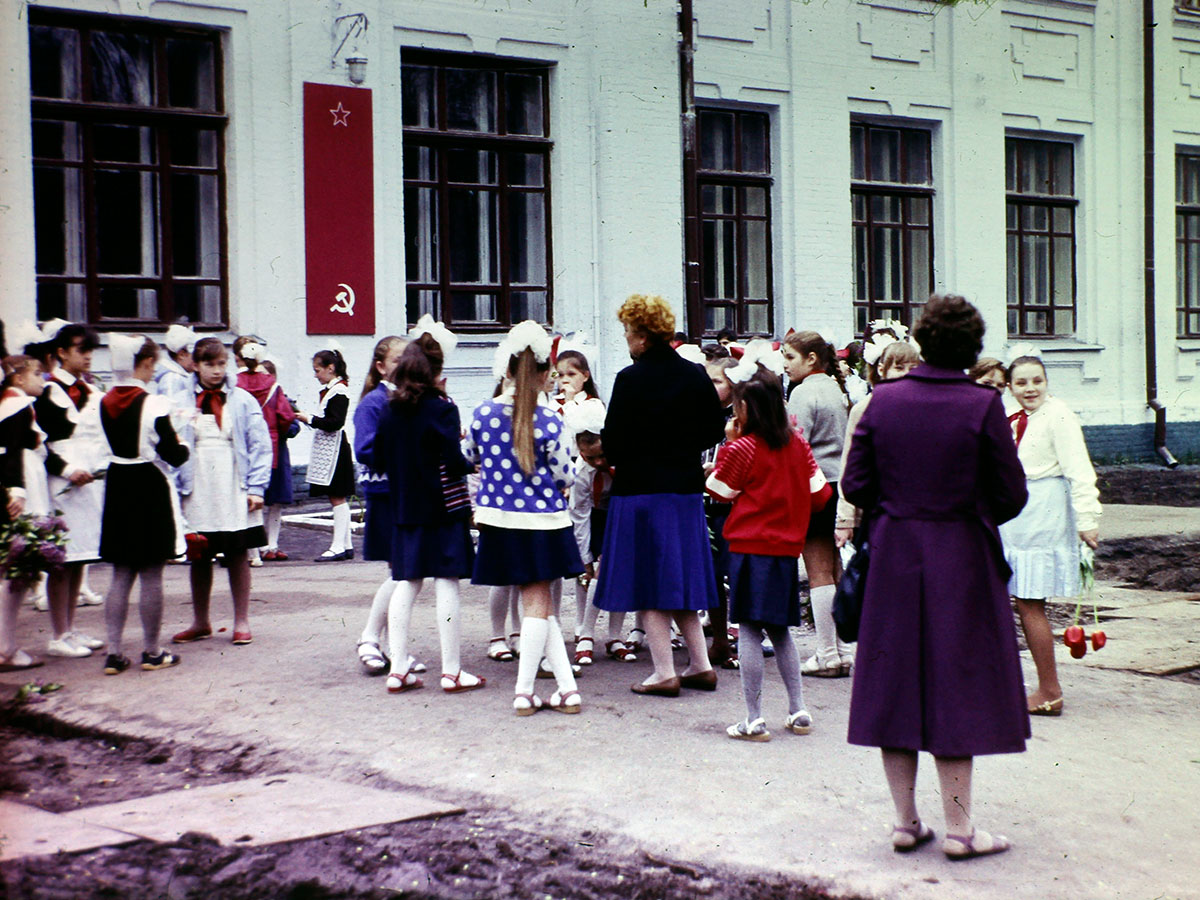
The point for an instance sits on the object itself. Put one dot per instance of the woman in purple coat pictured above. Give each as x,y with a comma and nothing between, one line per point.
934,467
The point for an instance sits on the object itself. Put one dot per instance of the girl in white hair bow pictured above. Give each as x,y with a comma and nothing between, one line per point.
331,465
525,533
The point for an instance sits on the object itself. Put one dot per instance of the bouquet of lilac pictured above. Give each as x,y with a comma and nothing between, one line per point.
30,545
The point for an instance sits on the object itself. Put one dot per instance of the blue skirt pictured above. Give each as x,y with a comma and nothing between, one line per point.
656,555
764,590
524,556
377,528
279,488
432,551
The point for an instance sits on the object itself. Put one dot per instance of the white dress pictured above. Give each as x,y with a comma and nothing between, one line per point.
217,502
81,506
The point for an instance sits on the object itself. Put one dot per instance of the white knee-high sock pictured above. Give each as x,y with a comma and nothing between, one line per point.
822,609
581,606
556,656
274,519
590,615
377,616
399,614
449,623
533,642
341,528
498,600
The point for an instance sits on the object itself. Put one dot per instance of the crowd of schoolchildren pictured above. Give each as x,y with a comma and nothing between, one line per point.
186,456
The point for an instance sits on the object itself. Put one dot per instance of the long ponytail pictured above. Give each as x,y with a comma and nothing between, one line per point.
528,376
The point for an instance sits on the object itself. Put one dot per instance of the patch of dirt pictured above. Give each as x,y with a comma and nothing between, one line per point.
1149,485
1154,563
486,853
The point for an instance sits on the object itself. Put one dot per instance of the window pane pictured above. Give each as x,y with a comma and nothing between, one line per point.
716,141
1037,323
919,287
1064,279
754,201
884,155
421,235
126,223
1064,321
1035,218
916,147
1187,180
1014,322
757,259
756,319
918,210
859,205
717,199
527,238
418,97
1012,166
1193,274
718,318
755,148
193,147
858,152
471,100
860,262
1010,219
58,221
191,74
194,224
885,265
473,307
471,166
1014,263
1035,277
886,209
56,140
523,104
526,169
862,315
1062,177
119,301
473,235
720,260
1062,217
197,302
123,143
424,302
61,301
420,163
122,68
527,305
54,62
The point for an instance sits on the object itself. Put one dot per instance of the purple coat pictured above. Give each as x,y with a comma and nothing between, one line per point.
934,467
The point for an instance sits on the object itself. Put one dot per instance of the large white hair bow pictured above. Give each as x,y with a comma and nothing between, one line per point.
122,348
254,351
691,353
445,338
527,335
51,328
24,334
899,329
758,352
180,336
1016,351
585,416
578,341
873,349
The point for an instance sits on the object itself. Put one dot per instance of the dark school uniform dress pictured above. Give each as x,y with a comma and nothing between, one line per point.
664,413
141,524
525,530
331,418
416,446
934,469
775,492
23,456
373,480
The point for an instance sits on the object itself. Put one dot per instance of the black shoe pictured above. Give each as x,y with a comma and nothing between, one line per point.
335,557
115,664
164,659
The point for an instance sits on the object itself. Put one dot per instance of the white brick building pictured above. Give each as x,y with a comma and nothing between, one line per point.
996,149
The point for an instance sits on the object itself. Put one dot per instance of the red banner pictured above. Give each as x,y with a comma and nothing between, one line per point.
339,209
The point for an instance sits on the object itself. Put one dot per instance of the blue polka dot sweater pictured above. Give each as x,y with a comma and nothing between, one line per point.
507,497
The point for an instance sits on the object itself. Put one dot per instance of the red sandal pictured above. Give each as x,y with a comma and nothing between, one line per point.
583,652
620,651
456,685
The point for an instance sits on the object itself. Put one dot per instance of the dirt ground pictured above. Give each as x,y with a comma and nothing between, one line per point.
1149,485
479,854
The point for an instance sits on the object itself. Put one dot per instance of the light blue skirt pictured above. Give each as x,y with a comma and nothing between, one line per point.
1041,545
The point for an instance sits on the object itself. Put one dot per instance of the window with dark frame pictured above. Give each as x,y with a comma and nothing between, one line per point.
476,190
733,183
891,194
128,171
1187,244
1041,204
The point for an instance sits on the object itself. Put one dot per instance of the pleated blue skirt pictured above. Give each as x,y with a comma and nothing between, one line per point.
525,556
764,590
656,555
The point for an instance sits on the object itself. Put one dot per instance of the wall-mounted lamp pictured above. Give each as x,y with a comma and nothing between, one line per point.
356,67
350,29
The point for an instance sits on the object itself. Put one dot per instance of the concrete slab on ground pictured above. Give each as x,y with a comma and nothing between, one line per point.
1151,632
1124,520
267,810
29,831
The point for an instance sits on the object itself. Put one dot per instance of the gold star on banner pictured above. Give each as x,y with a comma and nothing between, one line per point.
341,115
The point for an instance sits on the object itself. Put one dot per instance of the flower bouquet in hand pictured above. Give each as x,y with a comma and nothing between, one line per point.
30,545
1074,636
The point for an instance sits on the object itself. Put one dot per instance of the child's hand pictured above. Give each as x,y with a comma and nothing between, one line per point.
254,502
589,571
733,429
80,477
16,506
842,535
1091,538
568,392
303,417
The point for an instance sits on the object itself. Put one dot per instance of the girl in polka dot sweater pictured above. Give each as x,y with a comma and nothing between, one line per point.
525,532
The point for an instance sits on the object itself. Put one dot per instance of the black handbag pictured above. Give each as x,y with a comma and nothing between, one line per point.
848,600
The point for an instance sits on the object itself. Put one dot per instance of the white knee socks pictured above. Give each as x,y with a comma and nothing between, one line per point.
556,656
377,617
341,528
822,610
449,623
533,642
274,519
399,614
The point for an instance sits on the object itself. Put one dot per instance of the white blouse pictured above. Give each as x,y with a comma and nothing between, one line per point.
1053,446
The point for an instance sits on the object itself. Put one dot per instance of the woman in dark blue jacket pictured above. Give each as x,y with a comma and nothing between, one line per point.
663,415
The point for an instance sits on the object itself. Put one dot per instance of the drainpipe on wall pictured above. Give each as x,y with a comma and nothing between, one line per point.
1152,401
691,203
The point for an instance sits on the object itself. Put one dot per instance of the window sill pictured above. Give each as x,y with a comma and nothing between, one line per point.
1066,345
1187,345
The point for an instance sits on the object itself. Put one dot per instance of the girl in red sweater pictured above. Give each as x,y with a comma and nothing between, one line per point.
768,472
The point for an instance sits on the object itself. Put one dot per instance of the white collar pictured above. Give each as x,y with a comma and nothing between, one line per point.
62,376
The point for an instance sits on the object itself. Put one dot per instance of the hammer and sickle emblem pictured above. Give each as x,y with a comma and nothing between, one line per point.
345,300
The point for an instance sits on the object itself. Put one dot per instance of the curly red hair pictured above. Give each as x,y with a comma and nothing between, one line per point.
649,314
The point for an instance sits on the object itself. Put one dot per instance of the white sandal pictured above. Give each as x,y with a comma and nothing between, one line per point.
746,730
526,704
799,723
371,657
569,702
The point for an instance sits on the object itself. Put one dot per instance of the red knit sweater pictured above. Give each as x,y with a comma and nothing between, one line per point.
774,493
